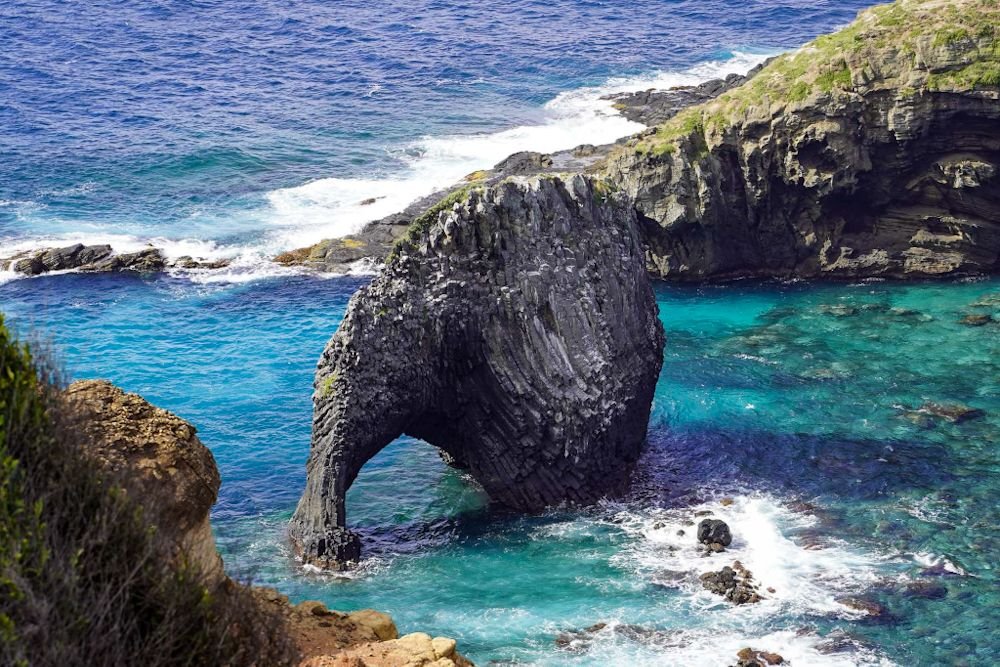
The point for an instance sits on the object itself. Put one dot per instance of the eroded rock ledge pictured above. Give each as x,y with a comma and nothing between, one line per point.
517,331
870,152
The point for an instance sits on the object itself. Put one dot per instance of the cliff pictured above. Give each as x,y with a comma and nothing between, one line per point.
515,329
160,462
870,152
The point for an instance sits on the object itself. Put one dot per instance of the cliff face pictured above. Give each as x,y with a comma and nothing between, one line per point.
161,463
871,152
516,330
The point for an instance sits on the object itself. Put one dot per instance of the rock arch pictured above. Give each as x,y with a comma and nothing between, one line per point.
517,332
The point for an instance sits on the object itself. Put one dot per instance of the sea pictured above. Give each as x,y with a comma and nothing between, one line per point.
791,410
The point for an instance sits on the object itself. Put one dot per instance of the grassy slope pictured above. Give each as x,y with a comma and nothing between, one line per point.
908,45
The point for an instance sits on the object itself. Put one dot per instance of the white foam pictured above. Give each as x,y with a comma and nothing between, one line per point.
326,208
806,579
332,207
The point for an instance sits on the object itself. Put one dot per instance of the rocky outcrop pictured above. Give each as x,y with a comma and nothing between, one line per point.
516,330
735,583
871,152
365,638
99,259
159,460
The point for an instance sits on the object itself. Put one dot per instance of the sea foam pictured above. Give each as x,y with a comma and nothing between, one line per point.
326,208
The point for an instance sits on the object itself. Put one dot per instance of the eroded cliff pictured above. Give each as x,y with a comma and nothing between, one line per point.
516,330
870,152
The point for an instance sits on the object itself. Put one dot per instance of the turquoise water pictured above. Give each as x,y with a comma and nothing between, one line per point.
225,128
787,399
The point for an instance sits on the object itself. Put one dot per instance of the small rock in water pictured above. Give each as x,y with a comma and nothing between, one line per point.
749,657
733,583
872,609
726,502
714,531
976,320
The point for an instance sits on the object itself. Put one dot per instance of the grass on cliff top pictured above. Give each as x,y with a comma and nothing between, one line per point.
84,577
881,45
420,225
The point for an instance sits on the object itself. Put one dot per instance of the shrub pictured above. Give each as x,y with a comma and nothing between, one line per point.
84,576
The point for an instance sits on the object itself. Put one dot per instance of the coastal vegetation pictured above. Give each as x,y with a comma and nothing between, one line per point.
910,45
84,572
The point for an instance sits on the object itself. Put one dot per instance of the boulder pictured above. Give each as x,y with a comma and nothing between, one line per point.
158,459
733,583
714,532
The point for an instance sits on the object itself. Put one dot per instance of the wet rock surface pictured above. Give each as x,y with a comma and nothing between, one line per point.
734,583
715,534
518,332
749,657
100,259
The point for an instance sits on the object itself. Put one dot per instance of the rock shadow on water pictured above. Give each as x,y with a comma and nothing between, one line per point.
683,465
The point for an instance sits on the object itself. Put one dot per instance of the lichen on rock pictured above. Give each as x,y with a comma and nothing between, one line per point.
517,331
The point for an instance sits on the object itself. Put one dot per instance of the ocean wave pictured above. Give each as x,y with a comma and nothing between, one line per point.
326,208
796,579
333,207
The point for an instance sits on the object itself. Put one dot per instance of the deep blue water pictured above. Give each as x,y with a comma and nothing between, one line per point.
239,129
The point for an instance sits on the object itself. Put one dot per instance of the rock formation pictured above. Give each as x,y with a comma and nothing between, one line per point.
874,151
516,330
870,152
159,460
99,259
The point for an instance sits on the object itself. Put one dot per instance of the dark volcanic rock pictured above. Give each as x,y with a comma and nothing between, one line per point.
517,332
653,107
87,258
524,163
60,259
714,531
749,657
891,171
733,583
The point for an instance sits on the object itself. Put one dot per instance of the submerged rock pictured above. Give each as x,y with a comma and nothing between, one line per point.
977,320
517,331
955,413
872,609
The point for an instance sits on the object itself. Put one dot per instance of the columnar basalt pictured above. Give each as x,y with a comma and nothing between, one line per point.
516,330
871,152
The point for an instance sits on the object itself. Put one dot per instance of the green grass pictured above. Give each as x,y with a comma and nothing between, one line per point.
85,578
415,232
890,35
